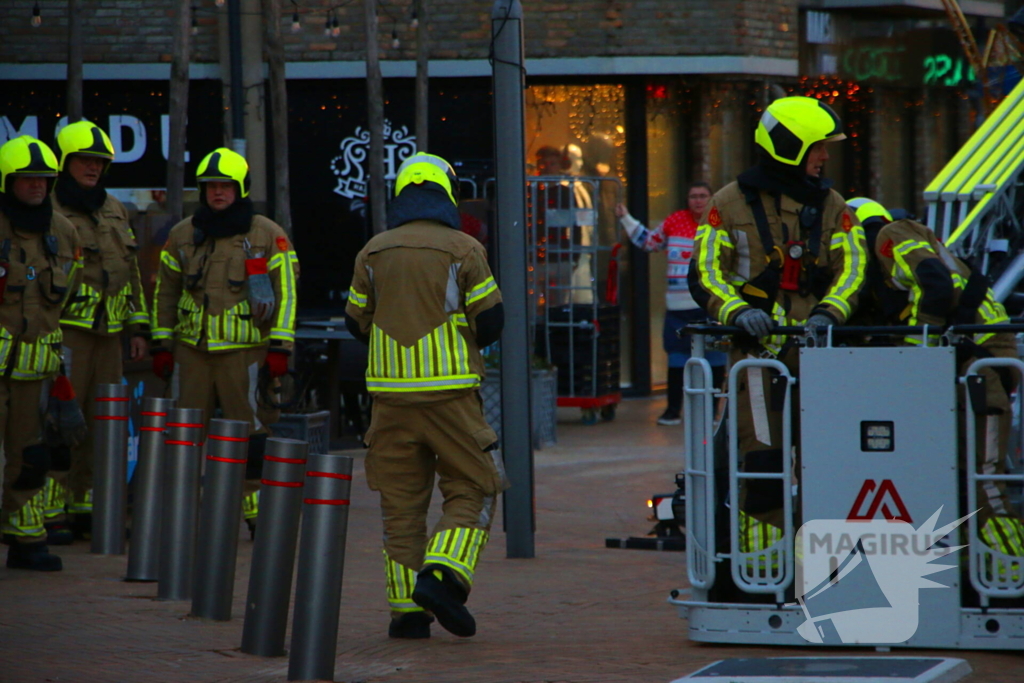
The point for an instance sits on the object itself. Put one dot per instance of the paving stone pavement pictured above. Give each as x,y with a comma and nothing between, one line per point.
577,613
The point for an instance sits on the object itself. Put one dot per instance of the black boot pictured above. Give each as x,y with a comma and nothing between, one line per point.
438,591
671,416
59,533
411,625
34,556
81,525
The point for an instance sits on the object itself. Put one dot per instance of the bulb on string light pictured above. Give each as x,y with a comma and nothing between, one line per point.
395,42
195,22
37,18
296,26
219,3
327,26
415,22
336,28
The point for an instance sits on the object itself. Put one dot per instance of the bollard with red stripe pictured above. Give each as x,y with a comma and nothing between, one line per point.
273,554
144,549
180,502
110,463
325,499
220,515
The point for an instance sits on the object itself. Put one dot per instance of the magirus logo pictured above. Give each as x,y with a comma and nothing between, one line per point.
857,580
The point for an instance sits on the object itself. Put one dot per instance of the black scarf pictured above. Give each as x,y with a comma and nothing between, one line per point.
234,220
34,219
778,178
423,203
73,195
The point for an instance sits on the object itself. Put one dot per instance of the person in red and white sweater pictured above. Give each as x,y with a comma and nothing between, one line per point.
675,235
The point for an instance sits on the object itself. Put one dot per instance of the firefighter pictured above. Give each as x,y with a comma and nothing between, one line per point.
425,301
39,260
109,301
777,247
917,281
225,298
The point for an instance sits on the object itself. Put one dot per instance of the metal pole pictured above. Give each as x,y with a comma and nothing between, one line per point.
321,563
75,47
180,503
237,90
110,485
375,116
220,516
177,96
510,158
422,76
639,262
144,550
273,555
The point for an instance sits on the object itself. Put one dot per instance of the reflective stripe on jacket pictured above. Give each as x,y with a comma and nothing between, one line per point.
36,288
729,254
416,292
201,295
110,294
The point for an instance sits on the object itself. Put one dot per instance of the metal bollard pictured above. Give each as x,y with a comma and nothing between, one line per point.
273,555
110,484
180,503
321,564
220,515
144,549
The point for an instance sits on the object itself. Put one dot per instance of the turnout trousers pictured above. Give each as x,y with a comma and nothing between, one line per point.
27,459
89,359
408,446
206,380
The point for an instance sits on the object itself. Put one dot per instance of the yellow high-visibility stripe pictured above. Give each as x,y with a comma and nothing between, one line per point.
286,307
854,261
481,290
356,298
711,276
170,261
459,549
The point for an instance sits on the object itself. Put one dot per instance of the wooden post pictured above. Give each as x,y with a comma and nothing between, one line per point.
74,101
375,113
178,97
278,113
422,76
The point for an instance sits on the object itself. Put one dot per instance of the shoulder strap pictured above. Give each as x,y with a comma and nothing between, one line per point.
764,230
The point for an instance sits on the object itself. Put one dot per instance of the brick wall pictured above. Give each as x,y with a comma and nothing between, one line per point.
140,30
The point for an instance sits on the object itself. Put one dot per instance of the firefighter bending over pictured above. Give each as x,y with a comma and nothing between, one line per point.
225,297
915,280
777,247
425,301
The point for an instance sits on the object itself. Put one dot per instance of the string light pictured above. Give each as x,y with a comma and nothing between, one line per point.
395,42
37,19
415,21
335,27
296,26
219,3
327,25
195,22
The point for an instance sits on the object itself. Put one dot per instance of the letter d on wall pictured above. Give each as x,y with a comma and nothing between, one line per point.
138,148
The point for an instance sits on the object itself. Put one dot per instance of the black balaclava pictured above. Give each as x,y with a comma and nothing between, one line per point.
778,178
234,220
73,195
424,202
35,219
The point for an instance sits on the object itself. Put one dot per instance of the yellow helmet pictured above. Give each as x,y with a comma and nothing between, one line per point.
866,209
225,165
86,138
790,125
26,156
423,167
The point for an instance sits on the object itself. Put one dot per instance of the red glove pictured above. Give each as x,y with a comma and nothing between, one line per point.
163,364
277,363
